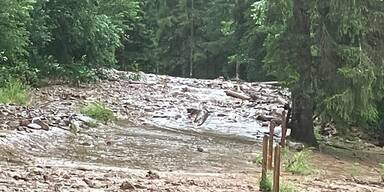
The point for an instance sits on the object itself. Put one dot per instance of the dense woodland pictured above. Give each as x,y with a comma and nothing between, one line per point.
330,53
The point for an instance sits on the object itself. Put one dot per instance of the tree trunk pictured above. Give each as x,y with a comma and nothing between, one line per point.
302,113
302,101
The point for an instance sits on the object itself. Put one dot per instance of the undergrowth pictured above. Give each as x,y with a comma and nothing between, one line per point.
288,187
266,185
98,111
14,92
298,163
258,159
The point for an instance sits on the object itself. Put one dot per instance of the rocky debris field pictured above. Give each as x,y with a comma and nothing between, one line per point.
152,100
157,144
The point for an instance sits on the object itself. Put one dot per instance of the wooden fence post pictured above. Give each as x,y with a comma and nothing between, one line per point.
270,145
283,129
265,158
276,171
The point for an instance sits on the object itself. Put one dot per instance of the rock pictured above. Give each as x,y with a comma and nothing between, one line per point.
25,122
42,124
126,185
152,175
199,149
13,124
85,119
34,126
89,182
264,124
295,145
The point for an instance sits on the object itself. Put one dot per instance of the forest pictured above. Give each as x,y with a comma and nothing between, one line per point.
329,54
331,57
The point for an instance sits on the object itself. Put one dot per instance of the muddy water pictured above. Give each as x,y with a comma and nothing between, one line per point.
105,157
133,147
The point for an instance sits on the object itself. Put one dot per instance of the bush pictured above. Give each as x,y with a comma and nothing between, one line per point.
265,185
14,92
298,163
98,111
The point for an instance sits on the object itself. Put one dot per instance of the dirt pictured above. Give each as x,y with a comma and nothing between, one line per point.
156,147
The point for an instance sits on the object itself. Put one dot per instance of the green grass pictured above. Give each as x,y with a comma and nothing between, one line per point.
258,159
98,111
298,163
355,169
288,187
14,92
266,185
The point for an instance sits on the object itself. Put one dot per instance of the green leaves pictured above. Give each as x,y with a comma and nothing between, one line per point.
98,111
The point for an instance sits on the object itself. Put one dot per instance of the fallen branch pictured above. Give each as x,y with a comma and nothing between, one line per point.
237,95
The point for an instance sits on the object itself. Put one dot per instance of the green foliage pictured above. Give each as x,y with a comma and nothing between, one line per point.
288,187
265,185
14,41
14,92
344,74
98,111
381,170
14,16
81,73
258,158
298,163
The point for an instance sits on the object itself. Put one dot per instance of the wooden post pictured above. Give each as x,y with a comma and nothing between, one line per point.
276,171
283,130
270,145
265,158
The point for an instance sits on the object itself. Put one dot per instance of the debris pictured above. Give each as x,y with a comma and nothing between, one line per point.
152,175
126,185
34,126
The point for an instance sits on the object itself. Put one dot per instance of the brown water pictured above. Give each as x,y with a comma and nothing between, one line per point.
131,147
110,155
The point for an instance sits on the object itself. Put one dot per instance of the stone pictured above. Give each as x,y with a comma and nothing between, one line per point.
34,126
41,123
25,122
152,175
13,124
85,119
126,185
295,145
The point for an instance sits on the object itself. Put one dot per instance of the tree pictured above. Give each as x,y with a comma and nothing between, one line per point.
302,92
14,18
77,38
326,53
